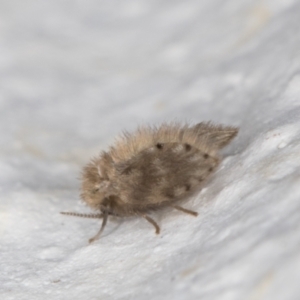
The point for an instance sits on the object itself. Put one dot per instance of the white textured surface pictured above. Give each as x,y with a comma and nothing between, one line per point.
73,74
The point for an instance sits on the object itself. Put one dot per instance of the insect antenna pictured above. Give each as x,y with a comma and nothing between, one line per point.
91,216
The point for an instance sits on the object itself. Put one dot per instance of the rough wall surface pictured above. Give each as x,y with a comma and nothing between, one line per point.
75,74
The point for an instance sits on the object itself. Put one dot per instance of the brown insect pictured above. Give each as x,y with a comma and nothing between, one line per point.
154,168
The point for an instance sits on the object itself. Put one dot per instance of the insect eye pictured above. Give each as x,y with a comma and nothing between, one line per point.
94,191
105,203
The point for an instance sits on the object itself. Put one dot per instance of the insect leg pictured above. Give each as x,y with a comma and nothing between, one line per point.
190,212
150,220
96,237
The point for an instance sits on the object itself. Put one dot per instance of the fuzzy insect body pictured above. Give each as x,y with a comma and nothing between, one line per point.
155,167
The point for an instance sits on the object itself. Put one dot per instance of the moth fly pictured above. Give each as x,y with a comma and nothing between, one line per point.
151,169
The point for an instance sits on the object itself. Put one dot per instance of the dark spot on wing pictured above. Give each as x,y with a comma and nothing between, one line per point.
187,187
188,147
169,194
